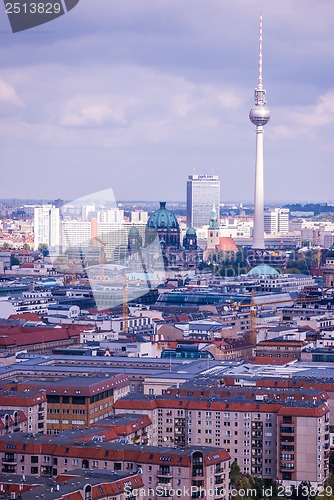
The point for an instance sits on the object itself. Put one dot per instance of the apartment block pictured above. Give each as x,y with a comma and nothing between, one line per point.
74,402
22,411
168,472
79,484
251,430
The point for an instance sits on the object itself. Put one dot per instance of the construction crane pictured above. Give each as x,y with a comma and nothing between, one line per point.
125,310
102,258
253,310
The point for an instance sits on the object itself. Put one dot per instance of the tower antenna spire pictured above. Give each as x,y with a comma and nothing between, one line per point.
260,86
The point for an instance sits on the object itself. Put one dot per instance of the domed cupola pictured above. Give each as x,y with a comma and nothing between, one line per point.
164,223
190,239
162,218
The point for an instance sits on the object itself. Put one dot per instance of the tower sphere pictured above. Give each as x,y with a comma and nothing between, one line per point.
259,115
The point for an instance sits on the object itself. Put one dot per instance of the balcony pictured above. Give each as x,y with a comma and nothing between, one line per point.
220,480
219,472
164,473
197,473
287,430
164,485
9,460
287,466
9,469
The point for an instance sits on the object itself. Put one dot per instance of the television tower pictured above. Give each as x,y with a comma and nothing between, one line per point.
260,116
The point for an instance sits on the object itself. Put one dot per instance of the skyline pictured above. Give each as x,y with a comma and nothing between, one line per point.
163,90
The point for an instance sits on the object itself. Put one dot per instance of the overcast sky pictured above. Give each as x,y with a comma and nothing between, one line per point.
137,94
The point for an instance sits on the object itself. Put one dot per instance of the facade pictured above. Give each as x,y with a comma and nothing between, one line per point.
280,348
203,191
166,472
75,234
46,226
328,269
276,221
77,484
79,402
268,438
16,404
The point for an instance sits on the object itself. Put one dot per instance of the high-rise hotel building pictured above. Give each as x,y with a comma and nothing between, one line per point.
203,192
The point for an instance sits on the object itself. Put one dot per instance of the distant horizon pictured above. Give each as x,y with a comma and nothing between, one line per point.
157,201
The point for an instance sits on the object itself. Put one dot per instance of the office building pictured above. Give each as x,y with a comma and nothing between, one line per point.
276,221
203,192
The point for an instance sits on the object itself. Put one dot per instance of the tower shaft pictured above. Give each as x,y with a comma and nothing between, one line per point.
258,232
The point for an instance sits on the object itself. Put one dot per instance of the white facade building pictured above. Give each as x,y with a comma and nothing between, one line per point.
276,221
75,234
46,226
113,215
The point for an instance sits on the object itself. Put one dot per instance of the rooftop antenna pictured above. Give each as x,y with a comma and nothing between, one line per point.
260,85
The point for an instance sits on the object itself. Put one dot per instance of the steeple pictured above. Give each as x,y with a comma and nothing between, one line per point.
213,219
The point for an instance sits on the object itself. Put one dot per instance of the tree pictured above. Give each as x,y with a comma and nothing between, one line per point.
26,246
15,261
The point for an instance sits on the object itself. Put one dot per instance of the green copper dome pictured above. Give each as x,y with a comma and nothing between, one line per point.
263,270
191,232
162,218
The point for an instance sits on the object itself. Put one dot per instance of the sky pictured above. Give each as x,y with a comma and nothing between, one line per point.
135,95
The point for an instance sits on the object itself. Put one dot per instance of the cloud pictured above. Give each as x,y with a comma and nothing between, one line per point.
89,114
155,89
8,94
320,114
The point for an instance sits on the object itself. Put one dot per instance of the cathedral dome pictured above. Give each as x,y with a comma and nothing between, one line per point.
162,218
